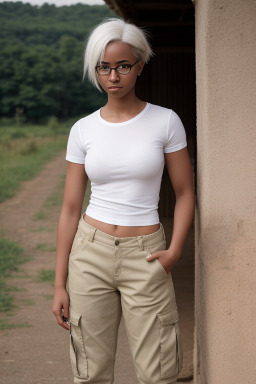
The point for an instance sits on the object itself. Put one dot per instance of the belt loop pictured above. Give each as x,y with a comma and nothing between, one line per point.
91,234
141,246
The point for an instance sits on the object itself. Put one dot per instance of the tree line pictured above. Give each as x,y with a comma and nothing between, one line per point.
41,60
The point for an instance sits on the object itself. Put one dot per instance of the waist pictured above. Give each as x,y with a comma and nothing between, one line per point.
118,215
125,241
120,230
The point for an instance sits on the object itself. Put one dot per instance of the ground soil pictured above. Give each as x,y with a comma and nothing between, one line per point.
39,353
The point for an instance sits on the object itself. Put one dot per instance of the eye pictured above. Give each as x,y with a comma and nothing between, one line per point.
124,66
103,67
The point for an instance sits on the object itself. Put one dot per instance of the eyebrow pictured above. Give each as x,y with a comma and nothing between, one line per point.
118,62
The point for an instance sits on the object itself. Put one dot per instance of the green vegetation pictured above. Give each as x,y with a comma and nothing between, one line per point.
40,215
4,324
47,275
41,61
42,229
24,151
54,200
48,297
28,302
45,247
11,255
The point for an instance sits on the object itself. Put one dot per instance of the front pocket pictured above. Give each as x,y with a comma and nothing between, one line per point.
161,267
161,246
77,350
78,241
171,355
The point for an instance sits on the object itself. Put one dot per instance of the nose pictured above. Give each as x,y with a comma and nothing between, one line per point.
113,76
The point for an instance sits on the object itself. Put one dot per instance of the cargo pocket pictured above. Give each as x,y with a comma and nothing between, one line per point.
77,350
171,355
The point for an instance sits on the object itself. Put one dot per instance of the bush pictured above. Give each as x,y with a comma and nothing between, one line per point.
53,123
30,148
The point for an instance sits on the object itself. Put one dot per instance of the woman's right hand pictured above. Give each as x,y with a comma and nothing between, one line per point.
61,306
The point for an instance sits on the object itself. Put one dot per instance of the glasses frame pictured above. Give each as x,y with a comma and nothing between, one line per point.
116,69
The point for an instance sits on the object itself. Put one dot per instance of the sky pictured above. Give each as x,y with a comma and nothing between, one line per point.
59,2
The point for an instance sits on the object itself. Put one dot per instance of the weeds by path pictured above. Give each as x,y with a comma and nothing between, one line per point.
47,275
55,200
23,153
52,201
11,256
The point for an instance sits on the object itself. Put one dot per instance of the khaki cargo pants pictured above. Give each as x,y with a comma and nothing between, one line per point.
109,276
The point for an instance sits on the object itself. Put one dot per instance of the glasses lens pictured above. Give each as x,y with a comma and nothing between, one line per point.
124,69
103,70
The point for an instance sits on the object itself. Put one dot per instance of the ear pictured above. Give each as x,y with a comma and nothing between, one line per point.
140,67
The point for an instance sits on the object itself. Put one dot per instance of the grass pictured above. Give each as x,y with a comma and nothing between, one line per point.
48,297
11,256
45,247
24,151
15,289
28,302
53,201
47,275
56,198
4,324
40,215
41,229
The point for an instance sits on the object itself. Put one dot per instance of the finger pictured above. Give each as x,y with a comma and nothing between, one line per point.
153,256
59,319
65,326
61,322
65,310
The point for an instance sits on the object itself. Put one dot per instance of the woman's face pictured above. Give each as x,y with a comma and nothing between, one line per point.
115,84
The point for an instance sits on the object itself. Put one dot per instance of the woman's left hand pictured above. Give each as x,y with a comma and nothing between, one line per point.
167,258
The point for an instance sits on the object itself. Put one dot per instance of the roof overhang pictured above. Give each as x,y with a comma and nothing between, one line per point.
170,22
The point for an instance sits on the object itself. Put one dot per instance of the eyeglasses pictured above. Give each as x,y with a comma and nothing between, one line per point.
122,69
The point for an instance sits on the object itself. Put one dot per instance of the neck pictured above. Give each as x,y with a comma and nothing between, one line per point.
123,105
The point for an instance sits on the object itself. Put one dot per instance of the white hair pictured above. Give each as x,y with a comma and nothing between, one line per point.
114,30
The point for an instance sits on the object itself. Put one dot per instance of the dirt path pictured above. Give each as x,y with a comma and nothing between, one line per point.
40,353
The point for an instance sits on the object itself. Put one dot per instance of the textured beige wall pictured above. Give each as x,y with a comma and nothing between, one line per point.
225,337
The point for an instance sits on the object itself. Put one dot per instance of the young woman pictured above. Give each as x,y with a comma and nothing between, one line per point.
115,256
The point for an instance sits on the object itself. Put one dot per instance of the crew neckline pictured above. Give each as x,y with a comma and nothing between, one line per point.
124,122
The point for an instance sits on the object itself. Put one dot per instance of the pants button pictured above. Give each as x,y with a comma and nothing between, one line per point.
116,242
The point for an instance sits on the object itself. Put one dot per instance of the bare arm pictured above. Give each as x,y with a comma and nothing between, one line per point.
180,172
75,185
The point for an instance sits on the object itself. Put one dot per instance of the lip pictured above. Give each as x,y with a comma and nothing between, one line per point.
114,88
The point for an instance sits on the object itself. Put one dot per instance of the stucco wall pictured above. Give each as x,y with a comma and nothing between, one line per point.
225,311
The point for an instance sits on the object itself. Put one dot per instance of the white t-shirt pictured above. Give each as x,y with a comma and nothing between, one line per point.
125,162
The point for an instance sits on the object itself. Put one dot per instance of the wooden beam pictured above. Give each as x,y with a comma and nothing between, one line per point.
160,23
118,8
162,6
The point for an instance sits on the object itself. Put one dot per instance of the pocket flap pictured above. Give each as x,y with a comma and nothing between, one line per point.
169,317
74,317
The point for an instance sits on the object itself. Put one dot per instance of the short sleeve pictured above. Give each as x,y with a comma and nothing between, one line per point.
75,152
176,135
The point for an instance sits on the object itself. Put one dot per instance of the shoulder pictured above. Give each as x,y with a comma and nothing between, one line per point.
157,109
167,113
84,121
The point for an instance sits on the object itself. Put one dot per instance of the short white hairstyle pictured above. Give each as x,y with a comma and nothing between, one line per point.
114,30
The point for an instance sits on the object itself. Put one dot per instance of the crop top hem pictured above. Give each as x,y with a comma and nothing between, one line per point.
118,221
